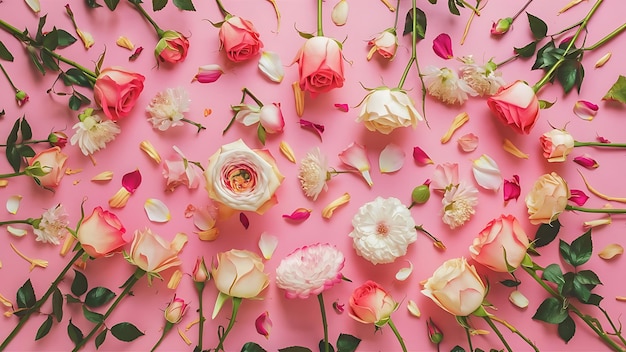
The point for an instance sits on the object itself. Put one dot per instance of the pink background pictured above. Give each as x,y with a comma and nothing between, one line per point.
297,322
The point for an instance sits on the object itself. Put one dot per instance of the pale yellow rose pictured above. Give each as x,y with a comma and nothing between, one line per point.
153,254
547,199
239,273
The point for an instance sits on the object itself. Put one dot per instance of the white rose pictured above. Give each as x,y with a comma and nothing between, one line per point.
386,109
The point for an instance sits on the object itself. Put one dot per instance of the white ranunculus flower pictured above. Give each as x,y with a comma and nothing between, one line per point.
167,108
386,109
383,229
313,173
92,133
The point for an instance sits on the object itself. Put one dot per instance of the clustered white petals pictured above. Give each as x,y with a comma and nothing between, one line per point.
167,108
313,173
458,204
445,85
485,80
92,134
52,227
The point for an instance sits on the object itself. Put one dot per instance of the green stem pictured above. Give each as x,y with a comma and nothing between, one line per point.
395,22
566,29
225,13
9,222
437,242
251,95
497,331
556,65
521,10
13,174
413,47
514,57
197,124
469,339
10,81
41,301
166,329
200,289
608,37
320,31
146,16
471,7
28,142
397,333
320,299
514,330
132,280
236,304
617,332
90,74
598,144
595,210
19,35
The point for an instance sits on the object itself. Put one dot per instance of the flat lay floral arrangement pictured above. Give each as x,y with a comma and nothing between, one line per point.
312,175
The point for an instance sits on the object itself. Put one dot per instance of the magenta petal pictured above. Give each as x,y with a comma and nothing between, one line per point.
420,157
319,129
339,308
244,220
131,181
511,188
586,161
263,324
586,110
578,197
602,139
442,45
299,214
342,107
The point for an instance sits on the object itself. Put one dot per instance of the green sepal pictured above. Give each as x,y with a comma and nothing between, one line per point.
219,302
111,4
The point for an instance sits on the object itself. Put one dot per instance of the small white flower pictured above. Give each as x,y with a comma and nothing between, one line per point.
52,227
383,229
313,173
92,134
167,107
485,80
458,204
445,85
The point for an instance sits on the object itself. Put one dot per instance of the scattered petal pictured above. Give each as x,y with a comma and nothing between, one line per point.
277,14
420,157
4,183
389,6
86,38
267,245
601,195
512,149
468,142
603,60
413,308
149,149
391,158
135,54
586,161
339,308
208,73
319,129
207,112
184,337
209,235
355,156
328,211
271,66
156,210
518,299
569,6
203,218
458,121
124,43
103,176
191,324
339,15
68,244
33,262
442,46
598,222
299,214
602,139
177,275
119,199
34,5
69,171
243,219
611,251
298,95
404,273
263,324
5,302
487,173
586,110
342,107
620,298
17,232
13,204
512,189
285,148
131,181
578,197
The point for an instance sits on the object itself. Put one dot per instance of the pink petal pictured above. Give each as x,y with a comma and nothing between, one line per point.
391,159
578,197
585,110
486,173
208,73
356,157
602,139
468,142
244,220
339,308
319,129
442,45
272,118
267,245
445,175
342,107
263,324
586,161
420,157
512,189
299,214
135,54
131,181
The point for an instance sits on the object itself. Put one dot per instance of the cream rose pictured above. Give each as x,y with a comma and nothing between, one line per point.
101,233
241,178
502,236
386,109
547,199
456,287
371,304
52,161
556,144
153,254
239,273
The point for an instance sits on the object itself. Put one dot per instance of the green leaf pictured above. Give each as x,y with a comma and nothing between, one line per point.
566,329
260,132
510,283
111,4
12,138
452,6
51,40
44,329
594,299
566,74
49,61
294,349
537,26
568,285
100,61
432,1
158,5
546,233
457,348
57,304
74,333
252,347
580,75
544,104
329,345
420,23
25,151
185,5
588,277
539,62
5,54
14,158
100,338
65,38
72,299
79,284
581,248
551,311
347,343
98,296
37,62
617,92
27,132
77,76
26,295
526,51
582,292
126,332
554,274
74,103
93,316
92,4
39,34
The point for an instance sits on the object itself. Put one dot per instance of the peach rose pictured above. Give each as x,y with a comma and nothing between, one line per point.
547,199
516,105
502,236
116,91
239,273
386,109
456,287
320,64
385,44
152,253
239,39
52,161
371,304
172,47
101,233
556,144
175,310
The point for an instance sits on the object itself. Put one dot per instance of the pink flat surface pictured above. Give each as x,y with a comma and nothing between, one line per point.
295,321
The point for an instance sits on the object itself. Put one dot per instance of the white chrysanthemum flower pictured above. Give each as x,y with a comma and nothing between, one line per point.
383,229
92,134
52,227
458,204
313,173
167,107
445,85
485,80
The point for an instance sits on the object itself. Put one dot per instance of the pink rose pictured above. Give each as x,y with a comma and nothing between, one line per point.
101,233
502,236
52,161
172,47
516,105
556,144
320,65
240,39
371,304
385,44
547,199
175,310
116,91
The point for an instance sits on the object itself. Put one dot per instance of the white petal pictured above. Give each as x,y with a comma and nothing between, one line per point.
268,244
518,299
404,273
157,211
487,173
16,232
13,204
339,14
271,65
391,158
34,5
413,308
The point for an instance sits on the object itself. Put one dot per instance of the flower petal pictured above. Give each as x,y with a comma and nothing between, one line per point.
391,158
586,110
149,149
208,73
458,121
243,219
285,148
611,251
339,15
298,96
508,146
442,46
263,324
342,107
124,43
413,308
299,214
420,157
271,66
598,222
131,181
487,173
518,299
267,245
578,197
319,129
13,203
156,210
34,5
586,161
339,308
17,232
404,273
468,142
603,60
328,211
512,189
355,156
